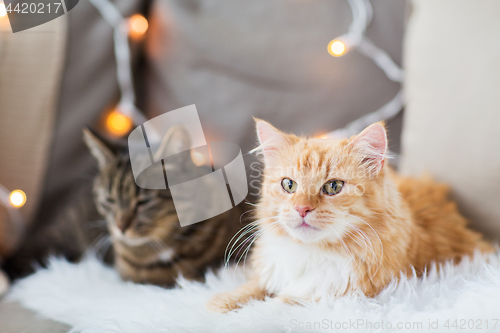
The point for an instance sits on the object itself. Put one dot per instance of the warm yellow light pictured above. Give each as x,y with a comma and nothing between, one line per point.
198,158
138,26
17,198
321,136
3,10
118,124
336,48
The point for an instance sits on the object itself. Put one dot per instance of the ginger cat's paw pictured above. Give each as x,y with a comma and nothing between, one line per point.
232,300
223,303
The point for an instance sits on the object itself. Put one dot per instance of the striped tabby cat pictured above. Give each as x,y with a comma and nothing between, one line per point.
149,244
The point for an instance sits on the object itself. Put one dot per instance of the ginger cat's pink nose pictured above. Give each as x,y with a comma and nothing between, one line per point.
303,210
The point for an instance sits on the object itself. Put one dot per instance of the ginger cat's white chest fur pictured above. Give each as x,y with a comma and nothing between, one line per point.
299,270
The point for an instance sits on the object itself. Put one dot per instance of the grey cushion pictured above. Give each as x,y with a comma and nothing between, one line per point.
268,59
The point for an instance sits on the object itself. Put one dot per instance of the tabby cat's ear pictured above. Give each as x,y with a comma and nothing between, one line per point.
177,140
102,153
271,140
371,144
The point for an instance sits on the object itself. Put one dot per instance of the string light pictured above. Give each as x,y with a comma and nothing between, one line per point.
17,198
118,124
122,29
138,25
362,13
120,120
336,48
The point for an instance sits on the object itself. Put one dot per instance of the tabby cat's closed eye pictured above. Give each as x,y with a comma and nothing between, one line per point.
143,201
108,202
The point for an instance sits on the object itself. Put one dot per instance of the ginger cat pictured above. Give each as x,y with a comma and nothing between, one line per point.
334,219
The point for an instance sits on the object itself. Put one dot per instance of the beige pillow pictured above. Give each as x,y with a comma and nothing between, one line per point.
452,121
31,63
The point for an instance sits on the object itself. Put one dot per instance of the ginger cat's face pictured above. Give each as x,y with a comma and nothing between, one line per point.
317,189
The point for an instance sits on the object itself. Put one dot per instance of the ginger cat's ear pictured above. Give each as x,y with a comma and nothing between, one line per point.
371,143
271,139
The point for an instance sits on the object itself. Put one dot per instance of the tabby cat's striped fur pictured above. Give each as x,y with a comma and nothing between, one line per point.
149,244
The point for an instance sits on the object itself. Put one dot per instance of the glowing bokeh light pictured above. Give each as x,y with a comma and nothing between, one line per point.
321,136
336,48
118,124
3,10
17,198
138,26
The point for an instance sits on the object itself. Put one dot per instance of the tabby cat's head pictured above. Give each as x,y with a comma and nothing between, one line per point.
134,215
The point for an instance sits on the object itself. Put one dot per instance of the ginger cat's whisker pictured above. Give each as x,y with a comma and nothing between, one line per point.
345,247
261,207
239,234
376,234
256,235
364,238
244,231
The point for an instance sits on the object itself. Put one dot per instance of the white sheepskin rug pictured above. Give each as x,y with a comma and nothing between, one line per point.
91,298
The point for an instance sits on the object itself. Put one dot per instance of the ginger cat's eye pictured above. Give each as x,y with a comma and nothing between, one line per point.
289,185
333,187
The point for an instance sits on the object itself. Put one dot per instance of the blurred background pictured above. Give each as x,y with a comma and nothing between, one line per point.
241,59
234,60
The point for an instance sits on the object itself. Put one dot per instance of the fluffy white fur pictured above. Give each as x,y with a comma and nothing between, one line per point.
299,270
92,298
